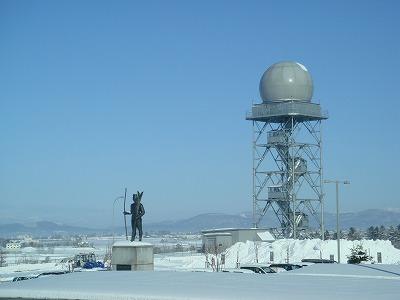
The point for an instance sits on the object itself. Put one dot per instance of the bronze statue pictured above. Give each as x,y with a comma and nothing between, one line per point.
137,212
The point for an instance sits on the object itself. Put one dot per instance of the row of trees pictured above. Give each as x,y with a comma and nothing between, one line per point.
2,258
391,233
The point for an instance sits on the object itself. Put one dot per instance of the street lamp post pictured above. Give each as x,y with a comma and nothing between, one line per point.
115,200
336,182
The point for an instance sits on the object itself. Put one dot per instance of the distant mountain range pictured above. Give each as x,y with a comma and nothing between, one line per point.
362,219
42,228
365,218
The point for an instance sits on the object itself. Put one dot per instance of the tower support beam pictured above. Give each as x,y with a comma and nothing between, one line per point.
287,168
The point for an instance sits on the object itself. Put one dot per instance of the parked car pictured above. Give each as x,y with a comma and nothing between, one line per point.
20,278
284,267
318,261
237,271
44,274
257,268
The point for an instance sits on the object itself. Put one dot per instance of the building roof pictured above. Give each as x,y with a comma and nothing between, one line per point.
232,229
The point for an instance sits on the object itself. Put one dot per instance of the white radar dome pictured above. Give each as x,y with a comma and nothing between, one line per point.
285,81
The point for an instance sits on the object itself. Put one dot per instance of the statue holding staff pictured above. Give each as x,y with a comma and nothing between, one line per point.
137,212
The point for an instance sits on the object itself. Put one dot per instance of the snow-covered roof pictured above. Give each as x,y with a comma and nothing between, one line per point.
230,229
266,236
331,281
131,244
218,234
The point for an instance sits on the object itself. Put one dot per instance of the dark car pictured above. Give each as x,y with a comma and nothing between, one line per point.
318,261
20,278
286,267
257,268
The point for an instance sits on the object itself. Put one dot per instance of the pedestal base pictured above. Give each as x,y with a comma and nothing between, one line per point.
132,256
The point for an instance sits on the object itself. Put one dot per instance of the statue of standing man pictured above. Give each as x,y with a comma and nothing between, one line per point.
137,212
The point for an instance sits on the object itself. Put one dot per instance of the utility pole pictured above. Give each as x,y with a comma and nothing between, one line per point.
337,222
337,212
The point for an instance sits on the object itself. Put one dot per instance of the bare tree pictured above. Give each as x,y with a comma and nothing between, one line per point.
215,252
2,258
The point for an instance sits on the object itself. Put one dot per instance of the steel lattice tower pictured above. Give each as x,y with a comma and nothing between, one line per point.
287,151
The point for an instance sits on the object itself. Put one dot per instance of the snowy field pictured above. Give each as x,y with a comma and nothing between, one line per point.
30,261
320,281
286,250
181,275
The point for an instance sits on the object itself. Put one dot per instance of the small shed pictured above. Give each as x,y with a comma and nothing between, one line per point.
221,239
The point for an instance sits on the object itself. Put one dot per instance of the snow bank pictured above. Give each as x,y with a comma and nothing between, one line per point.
9,272
283,250
295,250
28,250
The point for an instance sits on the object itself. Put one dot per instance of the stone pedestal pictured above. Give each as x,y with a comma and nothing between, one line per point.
132,256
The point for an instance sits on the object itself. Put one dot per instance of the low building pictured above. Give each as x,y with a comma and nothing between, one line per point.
217,240
13,245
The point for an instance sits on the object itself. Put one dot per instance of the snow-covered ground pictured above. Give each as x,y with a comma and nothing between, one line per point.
249,252
324,281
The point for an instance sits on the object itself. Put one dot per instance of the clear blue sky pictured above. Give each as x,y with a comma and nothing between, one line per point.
99,95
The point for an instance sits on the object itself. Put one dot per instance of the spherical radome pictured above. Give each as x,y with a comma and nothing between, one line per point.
285,81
